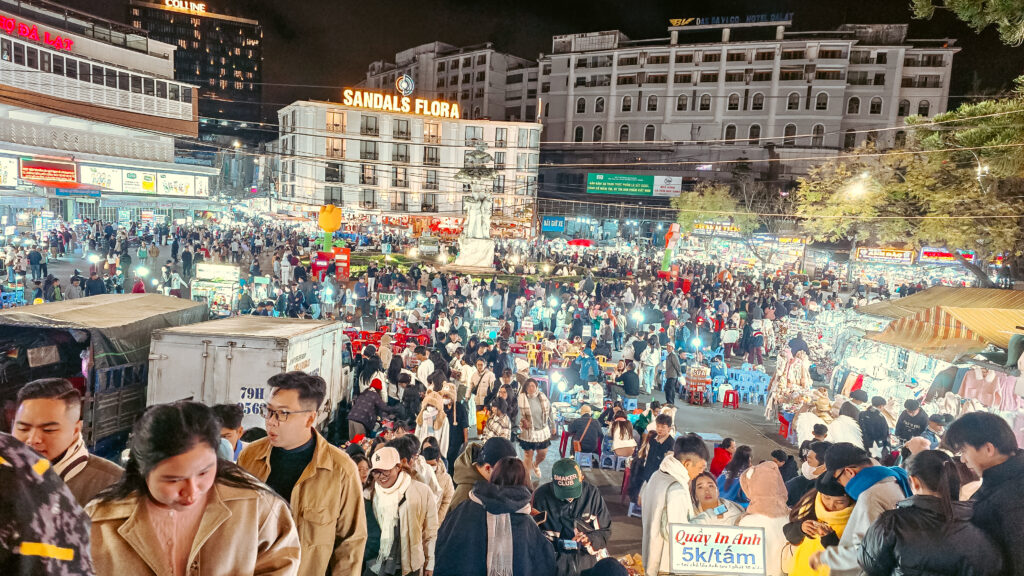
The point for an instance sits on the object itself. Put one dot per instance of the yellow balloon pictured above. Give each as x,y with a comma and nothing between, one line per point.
330,218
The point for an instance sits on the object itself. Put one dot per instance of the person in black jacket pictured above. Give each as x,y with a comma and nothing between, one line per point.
573,516
786,463
931,532
94,285
629,380
586,430
810,470
873,426
465,543
989,447
912,421
803,518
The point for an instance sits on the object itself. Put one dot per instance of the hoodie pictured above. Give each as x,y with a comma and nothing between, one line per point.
461,548
464,474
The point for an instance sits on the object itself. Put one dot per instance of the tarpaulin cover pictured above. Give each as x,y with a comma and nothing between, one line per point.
119,325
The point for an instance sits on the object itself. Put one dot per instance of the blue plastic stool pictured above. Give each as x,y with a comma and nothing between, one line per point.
586,459
629,404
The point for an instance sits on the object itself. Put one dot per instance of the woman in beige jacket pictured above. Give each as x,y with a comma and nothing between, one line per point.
180,510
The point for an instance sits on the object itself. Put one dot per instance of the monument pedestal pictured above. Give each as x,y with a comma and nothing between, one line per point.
475,255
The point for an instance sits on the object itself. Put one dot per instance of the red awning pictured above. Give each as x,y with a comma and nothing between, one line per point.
581,242
66,185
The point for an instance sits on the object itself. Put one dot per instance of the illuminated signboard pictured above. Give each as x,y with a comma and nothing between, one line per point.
217,272
724,229
48,170
396,103
138,182
106,178
727,20
930,255
31,32
886,256
177,184
199,7
634,185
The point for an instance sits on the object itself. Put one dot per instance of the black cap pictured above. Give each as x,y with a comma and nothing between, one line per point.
494,450
829,486
860,395
878,401
843,455
942,419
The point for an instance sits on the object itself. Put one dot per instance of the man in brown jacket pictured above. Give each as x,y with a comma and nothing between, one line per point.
320,481
49,420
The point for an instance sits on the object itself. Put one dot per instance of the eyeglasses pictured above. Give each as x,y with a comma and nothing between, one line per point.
280,415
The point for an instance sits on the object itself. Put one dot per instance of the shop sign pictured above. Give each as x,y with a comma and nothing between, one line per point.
8,172
138,182
176,184
82,192
931,255
31,32
217,272
124,216
723,229
886,256
396,103
552,224
199,7
634,185
107,178
703,549
768,18
48,170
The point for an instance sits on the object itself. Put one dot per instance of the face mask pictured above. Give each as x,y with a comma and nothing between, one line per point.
447,401
808,471
430,412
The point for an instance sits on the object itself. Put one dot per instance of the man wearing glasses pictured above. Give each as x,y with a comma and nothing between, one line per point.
319,481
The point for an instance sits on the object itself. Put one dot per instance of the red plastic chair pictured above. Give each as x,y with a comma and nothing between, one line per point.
731,399
365,334
783,426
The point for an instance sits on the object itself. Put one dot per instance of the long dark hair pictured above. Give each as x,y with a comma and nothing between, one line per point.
935,469
693,488
371,365
169,430
395,369
740,462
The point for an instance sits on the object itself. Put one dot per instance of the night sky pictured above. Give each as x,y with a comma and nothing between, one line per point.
314,47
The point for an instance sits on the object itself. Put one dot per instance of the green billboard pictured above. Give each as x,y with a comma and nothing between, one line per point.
633,184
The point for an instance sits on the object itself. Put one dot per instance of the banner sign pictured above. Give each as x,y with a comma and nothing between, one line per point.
634,185
720,229
886,256
107,178
704,549
552,224
81,192
138,182
8,172
48,170
931,255
176,184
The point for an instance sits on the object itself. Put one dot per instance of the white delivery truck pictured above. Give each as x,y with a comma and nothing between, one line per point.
229,361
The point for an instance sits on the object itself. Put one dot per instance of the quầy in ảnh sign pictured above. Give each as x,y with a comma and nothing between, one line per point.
402,104
702,549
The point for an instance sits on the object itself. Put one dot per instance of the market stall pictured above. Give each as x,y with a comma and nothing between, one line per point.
217,285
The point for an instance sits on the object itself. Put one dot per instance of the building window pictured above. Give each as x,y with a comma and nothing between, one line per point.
400,129
333,195
368,199
577,135
818,136
850,139
431,182
761,76
599,105
821,101
368,150
793,101
480,76
922,108
598,133
757,102
736,56
789,137
681,103
900,139
734,77
734,102
754,135
521,161
498,184
368,125
432,132
652,103
624,133
432,156
336,121
441,66
627,103
684,58
399,152
499,160
649,133
876,105
705,102
730,133
368,175
711,57
853,106
474,134
581,105
334,172
336,147
429,203
708,77
399,177
683,78
904,109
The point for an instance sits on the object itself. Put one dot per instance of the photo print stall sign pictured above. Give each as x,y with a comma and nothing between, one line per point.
731,550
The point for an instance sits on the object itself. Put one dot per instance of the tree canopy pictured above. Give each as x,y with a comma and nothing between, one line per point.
1006,15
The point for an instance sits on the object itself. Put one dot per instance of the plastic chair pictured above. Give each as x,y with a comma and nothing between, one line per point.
634,511
586,459
621,463
608,460
629,404
565,397
531,354
731,399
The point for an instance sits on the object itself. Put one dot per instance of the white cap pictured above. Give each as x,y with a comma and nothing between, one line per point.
385,458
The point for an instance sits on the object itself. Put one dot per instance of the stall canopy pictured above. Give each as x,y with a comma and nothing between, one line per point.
119,325
947,323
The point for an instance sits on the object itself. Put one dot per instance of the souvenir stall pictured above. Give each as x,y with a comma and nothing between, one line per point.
217,285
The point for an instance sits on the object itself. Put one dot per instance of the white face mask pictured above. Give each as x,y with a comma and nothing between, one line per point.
808,471
430,412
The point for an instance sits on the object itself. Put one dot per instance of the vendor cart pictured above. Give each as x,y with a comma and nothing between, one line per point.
217,286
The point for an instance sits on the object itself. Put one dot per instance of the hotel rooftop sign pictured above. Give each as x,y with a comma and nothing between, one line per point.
747,21
399,103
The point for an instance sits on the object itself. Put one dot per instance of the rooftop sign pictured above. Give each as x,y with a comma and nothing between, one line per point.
396,103
199,7
725,21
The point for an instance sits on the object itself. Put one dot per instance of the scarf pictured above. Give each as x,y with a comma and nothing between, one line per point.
868,477
385,509
837,521
499,540
674,468
73,461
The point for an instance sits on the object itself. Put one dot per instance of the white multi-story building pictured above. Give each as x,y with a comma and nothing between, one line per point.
369,159
89,110
485,82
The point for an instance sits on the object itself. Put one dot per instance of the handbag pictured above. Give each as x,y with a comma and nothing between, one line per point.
577,444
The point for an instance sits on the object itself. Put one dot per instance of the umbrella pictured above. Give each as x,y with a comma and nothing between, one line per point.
581,242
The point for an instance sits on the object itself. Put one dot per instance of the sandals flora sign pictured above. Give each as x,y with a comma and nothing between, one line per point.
398,103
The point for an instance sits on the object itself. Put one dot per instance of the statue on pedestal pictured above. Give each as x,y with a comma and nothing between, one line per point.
479,175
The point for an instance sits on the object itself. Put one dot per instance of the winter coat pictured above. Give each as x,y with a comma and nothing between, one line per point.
326,503
672,367
367,406
527,433
665,500
720,460
999,510
842,559
908,426
464,474
98,474
874,428
417,529
244,531
915,540
590,441
461,548
558,520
